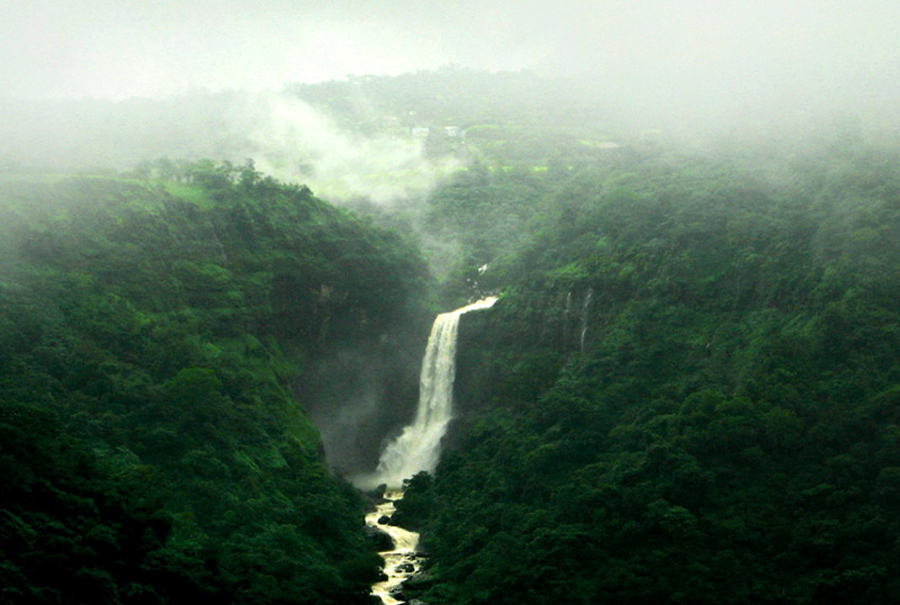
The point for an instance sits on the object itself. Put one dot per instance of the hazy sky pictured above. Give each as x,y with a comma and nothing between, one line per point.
123,48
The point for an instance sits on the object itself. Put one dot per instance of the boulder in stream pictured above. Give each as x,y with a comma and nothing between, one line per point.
380,540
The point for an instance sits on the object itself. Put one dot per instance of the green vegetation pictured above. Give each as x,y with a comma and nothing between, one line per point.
688,391
156,340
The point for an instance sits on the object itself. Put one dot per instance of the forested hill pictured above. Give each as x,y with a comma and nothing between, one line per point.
157,339
689,390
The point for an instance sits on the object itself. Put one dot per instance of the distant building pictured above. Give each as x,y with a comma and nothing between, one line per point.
453,132
420,132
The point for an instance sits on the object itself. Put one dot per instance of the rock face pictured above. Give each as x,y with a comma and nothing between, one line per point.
380,540
416,586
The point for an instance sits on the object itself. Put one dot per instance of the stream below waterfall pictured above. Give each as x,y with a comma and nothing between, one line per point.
416,449
401,562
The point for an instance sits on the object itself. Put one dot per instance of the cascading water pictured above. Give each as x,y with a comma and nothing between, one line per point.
417,448
401,562
584,316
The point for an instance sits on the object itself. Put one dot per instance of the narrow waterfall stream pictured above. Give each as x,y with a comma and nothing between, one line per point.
417,448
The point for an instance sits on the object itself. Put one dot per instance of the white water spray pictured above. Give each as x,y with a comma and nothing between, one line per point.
418,447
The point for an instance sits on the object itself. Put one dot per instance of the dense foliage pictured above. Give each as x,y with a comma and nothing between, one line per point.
688,392
156,337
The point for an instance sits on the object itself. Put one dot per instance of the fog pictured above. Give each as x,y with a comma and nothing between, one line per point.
108,83
660,51
290,140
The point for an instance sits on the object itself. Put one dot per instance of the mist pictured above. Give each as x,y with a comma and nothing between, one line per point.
284,136
290,140
217,70
686,60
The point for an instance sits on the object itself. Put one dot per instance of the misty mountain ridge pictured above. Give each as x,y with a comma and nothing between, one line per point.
363,137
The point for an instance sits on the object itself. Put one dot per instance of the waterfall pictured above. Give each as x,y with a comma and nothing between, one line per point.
584,317
417,448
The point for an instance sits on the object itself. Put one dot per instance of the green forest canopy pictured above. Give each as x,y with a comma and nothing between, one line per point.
687,393
152,338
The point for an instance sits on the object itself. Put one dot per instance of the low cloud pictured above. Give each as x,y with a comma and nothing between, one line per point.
293,141
286,137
